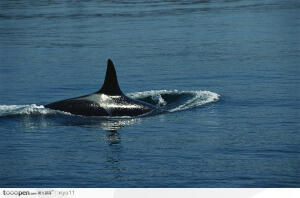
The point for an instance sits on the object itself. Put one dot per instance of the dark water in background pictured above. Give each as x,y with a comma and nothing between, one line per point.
248,52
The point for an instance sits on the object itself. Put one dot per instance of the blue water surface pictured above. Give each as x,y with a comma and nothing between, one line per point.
244,133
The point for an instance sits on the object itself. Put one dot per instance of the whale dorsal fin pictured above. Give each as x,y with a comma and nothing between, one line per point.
110,85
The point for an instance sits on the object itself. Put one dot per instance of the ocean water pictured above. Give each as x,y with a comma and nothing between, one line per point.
227,72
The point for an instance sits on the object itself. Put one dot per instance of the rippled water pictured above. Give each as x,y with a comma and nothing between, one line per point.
227,72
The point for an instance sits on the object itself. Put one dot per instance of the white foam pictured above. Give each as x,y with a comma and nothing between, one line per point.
152,93
6,110
198,98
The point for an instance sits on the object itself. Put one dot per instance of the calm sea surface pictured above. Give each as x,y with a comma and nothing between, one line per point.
226,71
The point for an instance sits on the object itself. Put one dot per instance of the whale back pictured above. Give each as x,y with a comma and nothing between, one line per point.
108,101
110,86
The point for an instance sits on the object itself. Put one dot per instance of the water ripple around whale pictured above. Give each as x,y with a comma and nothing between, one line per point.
166,100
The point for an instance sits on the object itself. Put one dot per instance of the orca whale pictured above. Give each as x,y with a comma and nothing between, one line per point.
108,101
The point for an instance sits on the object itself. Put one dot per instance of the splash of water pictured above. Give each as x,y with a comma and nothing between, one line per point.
176,100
